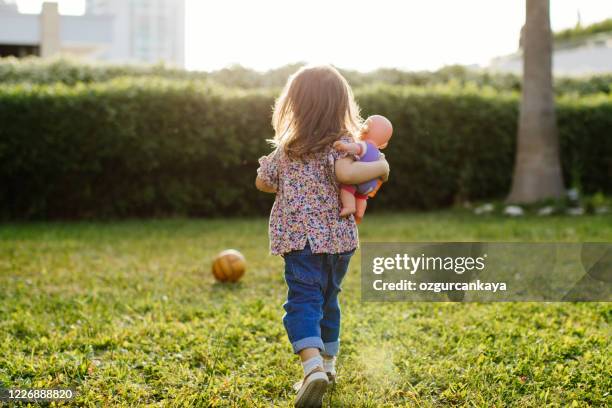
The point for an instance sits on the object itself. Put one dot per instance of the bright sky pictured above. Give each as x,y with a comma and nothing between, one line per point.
357,34
71,7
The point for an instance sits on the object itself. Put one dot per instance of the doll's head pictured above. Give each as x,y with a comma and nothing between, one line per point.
377,130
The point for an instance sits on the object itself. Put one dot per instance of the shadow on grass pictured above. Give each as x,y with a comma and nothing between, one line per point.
221,290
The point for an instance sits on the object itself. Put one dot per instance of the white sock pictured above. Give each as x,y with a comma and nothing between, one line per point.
311,364
329,364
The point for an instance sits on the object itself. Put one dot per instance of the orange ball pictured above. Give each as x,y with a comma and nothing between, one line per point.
229,266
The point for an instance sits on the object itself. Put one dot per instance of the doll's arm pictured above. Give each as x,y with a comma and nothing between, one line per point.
349,171
351,148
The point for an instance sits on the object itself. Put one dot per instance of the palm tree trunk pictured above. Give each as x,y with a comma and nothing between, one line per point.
537,170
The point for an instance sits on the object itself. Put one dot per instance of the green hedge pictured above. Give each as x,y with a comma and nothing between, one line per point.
42,71
581,32
150,147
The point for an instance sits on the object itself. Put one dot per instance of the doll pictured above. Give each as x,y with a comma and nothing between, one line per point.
374,136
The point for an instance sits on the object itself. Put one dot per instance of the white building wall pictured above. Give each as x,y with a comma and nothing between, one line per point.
582,61
88,37
145,30
592,57
22,29
50,41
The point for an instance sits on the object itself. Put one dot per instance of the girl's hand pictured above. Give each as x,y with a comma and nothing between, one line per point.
385,176
339,145
261,185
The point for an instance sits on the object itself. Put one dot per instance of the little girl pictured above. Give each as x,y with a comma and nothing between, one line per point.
315,109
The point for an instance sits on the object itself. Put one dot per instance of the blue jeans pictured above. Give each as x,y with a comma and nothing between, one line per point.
312,317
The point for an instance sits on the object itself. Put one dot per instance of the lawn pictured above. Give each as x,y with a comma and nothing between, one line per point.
128,313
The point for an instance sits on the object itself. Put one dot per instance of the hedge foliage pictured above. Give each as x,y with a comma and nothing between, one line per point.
146,147
39,71
581,32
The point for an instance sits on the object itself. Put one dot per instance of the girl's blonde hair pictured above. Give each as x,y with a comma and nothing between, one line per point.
314,110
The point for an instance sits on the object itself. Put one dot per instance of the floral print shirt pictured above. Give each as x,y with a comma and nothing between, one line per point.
307,205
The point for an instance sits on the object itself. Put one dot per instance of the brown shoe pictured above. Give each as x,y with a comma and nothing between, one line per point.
311,389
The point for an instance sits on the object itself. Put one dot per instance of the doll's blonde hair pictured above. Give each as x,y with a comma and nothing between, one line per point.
315,109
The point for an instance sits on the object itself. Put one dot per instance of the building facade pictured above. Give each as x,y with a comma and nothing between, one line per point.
146,30
588,56
120,31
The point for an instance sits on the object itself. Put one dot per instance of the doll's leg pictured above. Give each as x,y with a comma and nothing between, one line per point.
361,203
347,198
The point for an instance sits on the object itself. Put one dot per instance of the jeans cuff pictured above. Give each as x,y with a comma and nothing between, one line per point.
331,348
307,342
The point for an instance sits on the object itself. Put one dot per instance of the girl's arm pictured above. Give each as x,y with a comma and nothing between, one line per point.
356,172
262,186
267,173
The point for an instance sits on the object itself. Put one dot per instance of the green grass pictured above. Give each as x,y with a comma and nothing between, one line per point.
129,314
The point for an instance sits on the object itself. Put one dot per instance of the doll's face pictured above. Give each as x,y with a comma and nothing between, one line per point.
377,130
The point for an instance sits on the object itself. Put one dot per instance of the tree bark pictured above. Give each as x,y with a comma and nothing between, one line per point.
537,170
